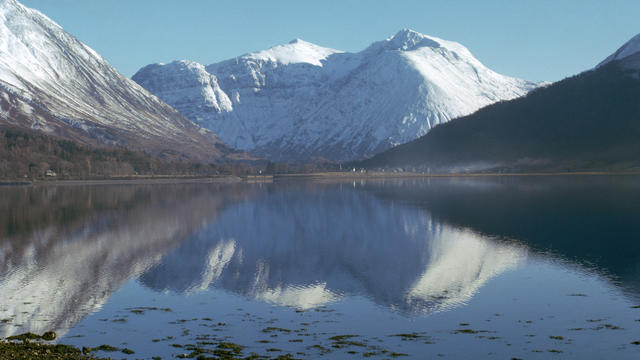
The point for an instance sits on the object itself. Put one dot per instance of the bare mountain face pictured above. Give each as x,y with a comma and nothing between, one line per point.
52,82
301,100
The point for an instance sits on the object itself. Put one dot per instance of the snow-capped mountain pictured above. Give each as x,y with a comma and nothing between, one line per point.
586,122
52,82
628,54
301,100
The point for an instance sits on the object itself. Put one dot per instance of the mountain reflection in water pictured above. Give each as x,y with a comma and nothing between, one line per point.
416,246
306,247
591,221
65,250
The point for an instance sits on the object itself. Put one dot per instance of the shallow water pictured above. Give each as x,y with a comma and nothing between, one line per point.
525,267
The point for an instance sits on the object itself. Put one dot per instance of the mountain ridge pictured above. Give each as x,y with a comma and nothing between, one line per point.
628,54
301,100
582,123
54,83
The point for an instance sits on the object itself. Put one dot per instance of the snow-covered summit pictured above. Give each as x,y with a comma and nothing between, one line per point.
408,40
296,51
301,100
26,50
628,54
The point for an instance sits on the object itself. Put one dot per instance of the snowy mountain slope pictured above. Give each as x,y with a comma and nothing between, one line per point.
75,91
587,122
301,100
628,54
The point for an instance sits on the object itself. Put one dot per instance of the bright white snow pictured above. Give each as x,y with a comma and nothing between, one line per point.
42,63
300,100
297,51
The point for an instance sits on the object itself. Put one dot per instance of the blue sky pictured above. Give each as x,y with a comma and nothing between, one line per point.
535,40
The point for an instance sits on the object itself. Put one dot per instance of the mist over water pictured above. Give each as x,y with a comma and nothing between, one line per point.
370,258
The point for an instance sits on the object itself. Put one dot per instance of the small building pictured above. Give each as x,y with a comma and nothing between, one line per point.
50,173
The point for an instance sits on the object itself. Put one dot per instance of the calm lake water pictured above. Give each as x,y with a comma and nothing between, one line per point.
510,267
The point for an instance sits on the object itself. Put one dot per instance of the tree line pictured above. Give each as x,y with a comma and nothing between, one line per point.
26,154
32,155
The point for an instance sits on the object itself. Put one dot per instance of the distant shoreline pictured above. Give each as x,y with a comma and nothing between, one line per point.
382,175
307,176
127,181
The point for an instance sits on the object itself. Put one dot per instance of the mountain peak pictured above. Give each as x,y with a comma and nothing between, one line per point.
407,39
410,40
296,51
8,3
71,91
301,100
630,48
14,14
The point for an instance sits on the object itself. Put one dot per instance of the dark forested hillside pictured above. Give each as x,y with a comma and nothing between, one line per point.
33,155
589,121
